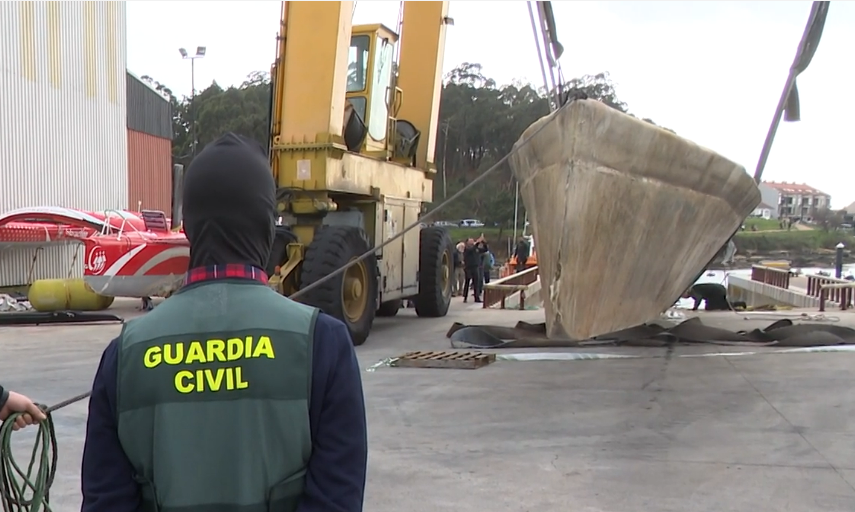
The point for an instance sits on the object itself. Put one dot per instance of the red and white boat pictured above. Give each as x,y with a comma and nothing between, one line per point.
127,254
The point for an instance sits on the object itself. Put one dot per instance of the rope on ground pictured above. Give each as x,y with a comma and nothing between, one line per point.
28,490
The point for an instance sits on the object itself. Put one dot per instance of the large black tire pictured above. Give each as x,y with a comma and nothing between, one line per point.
389,308
332,248
435,272
279,252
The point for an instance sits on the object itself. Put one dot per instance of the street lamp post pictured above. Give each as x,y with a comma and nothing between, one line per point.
445,160
200,52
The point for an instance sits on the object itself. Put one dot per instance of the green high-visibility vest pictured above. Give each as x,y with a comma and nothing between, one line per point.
213,399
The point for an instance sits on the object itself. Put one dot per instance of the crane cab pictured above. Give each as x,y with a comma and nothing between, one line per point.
374,100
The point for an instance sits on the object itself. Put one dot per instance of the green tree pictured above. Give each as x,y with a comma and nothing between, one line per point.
828,219
244,110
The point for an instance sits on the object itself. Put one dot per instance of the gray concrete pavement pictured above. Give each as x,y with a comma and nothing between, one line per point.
759,433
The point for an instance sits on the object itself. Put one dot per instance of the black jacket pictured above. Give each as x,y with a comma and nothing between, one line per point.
715,294
522,252
472,256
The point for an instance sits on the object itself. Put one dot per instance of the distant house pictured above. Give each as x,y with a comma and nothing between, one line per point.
793,199
763,211
770,197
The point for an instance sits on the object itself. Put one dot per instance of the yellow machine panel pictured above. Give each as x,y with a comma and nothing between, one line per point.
392,264
351,173
399,262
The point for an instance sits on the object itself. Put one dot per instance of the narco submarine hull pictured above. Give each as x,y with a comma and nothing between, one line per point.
626,215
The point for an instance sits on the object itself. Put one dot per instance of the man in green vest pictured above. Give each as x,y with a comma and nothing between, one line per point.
227,397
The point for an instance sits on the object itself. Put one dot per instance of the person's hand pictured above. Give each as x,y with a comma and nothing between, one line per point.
20,403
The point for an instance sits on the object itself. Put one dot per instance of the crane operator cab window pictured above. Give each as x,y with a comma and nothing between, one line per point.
357,71
369,81
377,121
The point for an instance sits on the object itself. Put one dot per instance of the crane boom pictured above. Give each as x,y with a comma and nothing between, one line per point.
309,75
420,71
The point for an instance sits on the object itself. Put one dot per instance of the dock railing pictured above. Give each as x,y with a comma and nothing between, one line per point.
827,288
496,292
777,277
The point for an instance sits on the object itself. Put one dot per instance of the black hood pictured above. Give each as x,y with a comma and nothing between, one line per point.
230,204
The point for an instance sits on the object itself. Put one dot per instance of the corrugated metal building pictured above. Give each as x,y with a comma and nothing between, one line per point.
63,138
149,147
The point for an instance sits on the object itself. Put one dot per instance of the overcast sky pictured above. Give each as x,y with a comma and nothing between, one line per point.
712,71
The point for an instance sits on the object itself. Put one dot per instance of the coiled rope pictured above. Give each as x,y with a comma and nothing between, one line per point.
27,491
17,484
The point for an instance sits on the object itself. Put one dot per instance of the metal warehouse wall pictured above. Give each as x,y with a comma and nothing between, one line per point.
63,105
149,147
149,172
23,266
63,138
148,111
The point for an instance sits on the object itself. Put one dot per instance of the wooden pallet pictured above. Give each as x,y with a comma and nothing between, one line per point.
457,359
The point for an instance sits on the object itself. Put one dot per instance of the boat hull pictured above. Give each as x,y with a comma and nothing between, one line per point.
136,264
124,257
135,286
625,214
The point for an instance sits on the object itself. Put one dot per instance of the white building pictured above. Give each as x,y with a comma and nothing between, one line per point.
770,197
763,211
63,138
796,200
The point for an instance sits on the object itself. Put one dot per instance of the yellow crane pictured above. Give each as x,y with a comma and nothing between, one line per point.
352,141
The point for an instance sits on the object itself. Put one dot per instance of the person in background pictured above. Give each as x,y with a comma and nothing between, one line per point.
729,256
487,261
521,253
459,273
714,295
473,271
11,402
227,396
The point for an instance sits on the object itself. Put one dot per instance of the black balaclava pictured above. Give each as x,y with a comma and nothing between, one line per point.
230,204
